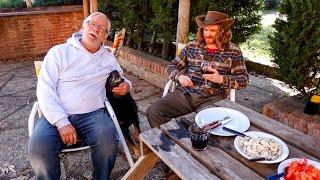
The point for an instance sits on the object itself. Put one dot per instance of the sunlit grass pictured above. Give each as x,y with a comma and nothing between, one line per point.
257,47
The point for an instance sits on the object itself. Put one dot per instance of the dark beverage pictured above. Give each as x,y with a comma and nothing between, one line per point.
199,137
199,141
204,67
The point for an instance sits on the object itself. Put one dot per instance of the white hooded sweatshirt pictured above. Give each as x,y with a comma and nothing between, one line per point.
72,80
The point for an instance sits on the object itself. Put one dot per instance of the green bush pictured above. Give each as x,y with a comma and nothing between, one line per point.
12,4
296,43
271,4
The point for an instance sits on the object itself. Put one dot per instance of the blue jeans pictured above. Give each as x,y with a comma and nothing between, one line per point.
96,129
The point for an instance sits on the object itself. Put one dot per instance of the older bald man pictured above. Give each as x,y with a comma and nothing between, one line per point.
71,93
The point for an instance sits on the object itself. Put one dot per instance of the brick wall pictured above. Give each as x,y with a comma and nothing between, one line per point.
289,111
35,32
147,67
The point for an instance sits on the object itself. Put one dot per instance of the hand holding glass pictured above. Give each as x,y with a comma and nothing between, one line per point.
205,69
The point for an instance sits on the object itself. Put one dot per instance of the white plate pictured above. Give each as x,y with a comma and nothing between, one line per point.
285,150
240,122
286,163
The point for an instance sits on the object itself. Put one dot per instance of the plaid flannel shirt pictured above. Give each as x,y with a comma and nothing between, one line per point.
229,63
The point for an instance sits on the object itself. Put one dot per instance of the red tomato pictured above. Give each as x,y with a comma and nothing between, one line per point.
299,170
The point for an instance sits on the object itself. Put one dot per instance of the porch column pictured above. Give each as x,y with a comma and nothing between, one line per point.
86,8
94,6
183,21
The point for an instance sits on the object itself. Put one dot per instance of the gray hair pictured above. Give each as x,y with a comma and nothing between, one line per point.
98,14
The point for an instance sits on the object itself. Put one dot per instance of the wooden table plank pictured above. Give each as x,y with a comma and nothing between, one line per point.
296,138
216,160
184,165
227,145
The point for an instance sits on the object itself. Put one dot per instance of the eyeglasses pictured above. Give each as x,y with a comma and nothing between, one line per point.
93,25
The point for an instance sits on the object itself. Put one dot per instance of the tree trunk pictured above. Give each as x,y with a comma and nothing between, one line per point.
153,41
140,41
29,3
183,22
94,6
86,8
128,42
165,50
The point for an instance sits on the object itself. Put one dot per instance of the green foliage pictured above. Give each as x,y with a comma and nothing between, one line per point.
165,18
143,17
258,46
12,4
296,43
247,15
134,15
164,22
271,4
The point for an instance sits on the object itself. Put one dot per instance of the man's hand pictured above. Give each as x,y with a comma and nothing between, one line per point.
215,77
68,134
122,89
185,81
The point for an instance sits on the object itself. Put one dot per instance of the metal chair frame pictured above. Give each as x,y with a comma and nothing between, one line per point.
171,85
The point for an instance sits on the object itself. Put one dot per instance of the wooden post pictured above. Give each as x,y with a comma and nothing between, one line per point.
183,22
86,9
29,3
94,6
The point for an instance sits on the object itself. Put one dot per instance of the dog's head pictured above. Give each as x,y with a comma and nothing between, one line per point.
113,80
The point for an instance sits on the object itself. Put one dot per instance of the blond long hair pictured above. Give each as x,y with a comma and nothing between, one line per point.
223,37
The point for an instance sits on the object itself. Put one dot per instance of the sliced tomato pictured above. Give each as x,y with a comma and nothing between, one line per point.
300,170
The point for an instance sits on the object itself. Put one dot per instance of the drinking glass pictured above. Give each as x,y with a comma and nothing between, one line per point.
199,137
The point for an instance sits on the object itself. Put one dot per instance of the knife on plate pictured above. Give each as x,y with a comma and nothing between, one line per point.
215,124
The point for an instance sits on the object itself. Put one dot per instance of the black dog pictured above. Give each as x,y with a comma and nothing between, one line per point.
125,109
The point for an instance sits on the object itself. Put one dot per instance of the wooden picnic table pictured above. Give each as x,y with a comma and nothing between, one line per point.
220,160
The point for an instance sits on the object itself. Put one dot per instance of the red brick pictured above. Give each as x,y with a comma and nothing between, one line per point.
33,31
314,129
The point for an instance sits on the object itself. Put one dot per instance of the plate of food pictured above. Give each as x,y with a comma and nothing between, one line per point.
258,145
296,168
238,122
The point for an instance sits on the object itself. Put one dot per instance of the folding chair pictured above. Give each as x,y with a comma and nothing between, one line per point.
36,110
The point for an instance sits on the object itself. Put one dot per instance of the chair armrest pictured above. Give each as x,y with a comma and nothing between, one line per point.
32,116
232,95
170,86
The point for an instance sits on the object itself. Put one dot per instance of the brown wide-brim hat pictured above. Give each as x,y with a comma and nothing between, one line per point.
214,18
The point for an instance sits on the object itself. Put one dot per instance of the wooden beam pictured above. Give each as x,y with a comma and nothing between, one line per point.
183,21
94,6
86,10
29,3
142,166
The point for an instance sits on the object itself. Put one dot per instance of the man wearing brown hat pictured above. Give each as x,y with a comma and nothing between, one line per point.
205,71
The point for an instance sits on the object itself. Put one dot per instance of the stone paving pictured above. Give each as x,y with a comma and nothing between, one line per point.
17,95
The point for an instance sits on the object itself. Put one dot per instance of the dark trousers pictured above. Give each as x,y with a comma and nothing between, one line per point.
176,104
